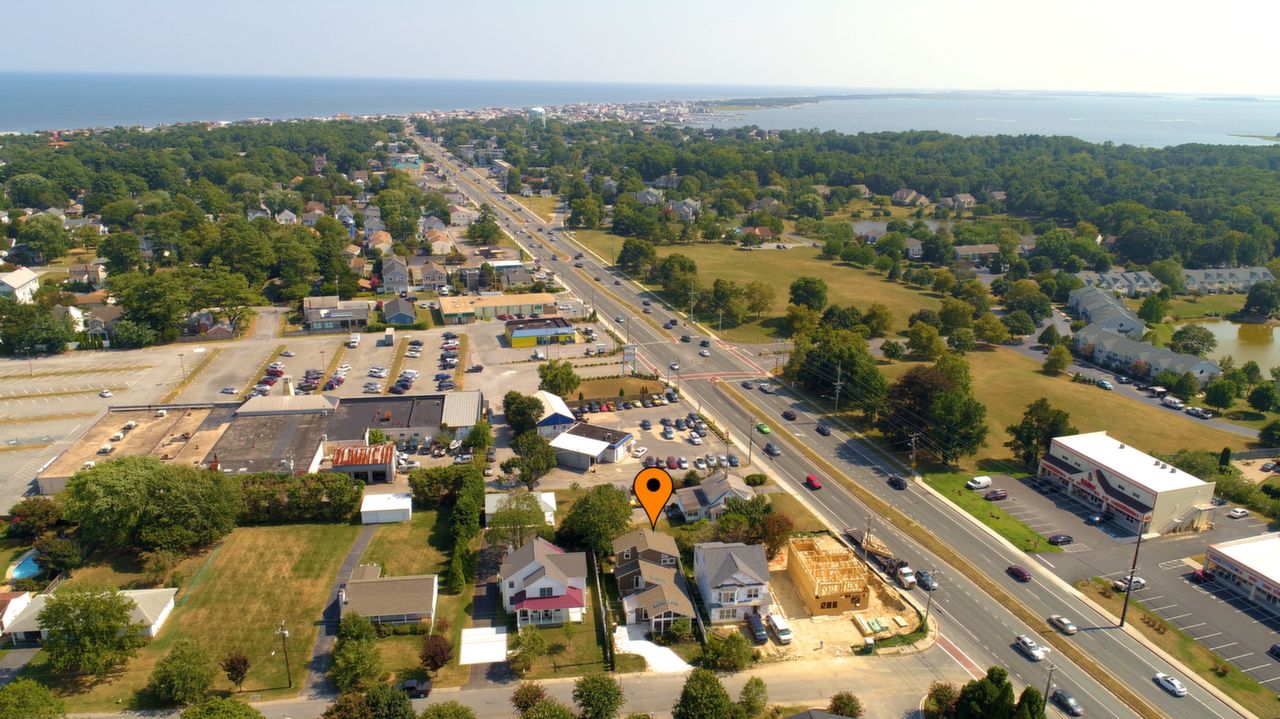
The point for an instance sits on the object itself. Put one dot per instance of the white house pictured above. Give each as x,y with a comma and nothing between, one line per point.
733,579
386,507
19,285
546,500
584,445
11,606
706,500
151,607
543,584
556,415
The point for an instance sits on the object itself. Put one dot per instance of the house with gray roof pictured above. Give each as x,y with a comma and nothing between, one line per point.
707,499
653,590
1130,284
1104,311
733,579
1228,279
389,600
649,196
287,217
685,210
544,585
1141,359
399,312
395,275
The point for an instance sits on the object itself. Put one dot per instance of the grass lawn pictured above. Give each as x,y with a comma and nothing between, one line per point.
1188,308
991,513
11,549
1006,382
124,571
801,517
400,654
259,577
544,207
607,388
1254,696
845,284
570,654
413,547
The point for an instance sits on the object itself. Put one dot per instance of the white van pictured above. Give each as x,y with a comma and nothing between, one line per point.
117,436
978,483
779,627
1172,402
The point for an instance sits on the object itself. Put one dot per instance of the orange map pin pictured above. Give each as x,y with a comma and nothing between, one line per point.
653,488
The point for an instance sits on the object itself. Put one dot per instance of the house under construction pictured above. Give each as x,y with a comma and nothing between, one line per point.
827,576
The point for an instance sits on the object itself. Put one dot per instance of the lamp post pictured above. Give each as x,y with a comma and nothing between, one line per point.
929,604
284,644
1048,685
183,364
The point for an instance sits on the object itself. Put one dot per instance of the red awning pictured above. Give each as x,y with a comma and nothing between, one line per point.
571,598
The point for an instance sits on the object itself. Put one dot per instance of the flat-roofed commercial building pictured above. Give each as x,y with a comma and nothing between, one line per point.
540,331
1251,565
406,419
469,308
584,445
1127,485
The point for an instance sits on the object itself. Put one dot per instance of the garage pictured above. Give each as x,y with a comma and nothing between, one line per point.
577,452
386,507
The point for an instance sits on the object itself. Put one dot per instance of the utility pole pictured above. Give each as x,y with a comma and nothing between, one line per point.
1048,684
929,604
720,323
866,540
1133,569
751,428
183,364
836,410
913,452
284,644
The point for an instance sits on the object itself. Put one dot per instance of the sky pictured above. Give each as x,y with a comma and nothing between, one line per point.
1175,46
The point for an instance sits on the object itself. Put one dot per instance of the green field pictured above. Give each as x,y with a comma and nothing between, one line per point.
951,485
1006,382
845,284
544,207
258,578
1188,308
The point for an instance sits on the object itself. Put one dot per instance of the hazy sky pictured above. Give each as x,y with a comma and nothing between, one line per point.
1106,45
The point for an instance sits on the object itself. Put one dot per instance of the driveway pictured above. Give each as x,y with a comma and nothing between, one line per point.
630,640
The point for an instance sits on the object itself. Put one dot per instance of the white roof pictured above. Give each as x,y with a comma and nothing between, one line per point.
386,501
18,277
282,404
552,405
148,606
582,445
1260,554
1135,465
461,408
493,501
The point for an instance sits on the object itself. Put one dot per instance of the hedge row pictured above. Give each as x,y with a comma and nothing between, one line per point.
274,498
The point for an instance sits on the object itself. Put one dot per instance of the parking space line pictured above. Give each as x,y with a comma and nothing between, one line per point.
1223,646
1167,606
1240,656
1193,626
1177,617
1268,681
1201,639
1254,669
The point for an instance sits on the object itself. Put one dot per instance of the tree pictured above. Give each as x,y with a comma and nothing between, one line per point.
549,709
943,281
388,702
962,340
377,437
1263,298
801,320
236,666
480,438
28,699
526,695
448,710
990,697
730,653
892,349
1050,336
1270,433
942,696
759,297
1031,704
522,412
703,697
518,515
1185,387
959,424
558,377
57,554
988,329
846,704
809,292
158,566
598,696
924,341
600,516
534,458
754,697
1152,309
1220,393
526,647
354,627
1058,359
89,629
220,708
184,675
356,664
350,705
436,652
1193,339
33,516
44,235
1019,323
1030,438
1264,397
954,314
878,319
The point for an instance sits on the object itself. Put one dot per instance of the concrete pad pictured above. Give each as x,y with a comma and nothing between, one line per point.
630,640
483,645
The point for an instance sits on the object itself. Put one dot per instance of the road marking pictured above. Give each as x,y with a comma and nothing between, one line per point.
1254,669
1201,639
1042,559
1239,656
1268,681
968,665
1223,646
1180,616
1193,626
1167,606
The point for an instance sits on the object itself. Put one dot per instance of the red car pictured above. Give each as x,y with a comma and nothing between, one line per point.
672,463
812,482
1019,573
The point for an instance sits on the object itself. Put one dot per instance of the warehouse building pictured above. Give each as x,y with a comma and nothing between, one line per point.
1128,486
584,445
366,464
540,331
1251,565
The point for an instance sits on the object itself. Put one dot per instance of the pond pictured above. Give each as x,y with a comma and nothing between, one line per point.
1244,342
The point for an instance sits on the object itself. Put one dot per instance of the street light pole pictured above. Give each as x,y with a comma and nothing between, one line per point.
1133,569
183,364
929,604
284,644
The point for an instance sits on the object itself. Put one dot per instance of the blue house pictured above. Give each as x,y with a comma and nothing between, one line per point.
556,415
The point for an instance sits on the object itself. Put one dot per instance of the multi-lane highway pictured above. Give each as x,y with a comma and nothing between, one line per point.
975,630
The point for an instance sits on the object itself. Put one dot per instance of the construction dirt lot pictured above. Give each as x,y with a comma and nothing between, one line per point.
838,634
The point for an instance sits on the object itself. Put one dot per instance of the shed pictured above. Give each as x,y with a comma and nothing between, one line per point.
386,507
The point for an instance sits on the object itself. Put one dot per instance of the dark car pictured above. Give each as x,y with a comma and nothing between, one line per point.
747,384
450,336
680,423
926,580
397,389
1018,572
1068,703
734,461
1061,540
755,626
789,416
646,303
646,424
665,421
996,495
704,343
772,450
443,375
897,481
476,368
686,338
651,461
416,688
1274,651
823,430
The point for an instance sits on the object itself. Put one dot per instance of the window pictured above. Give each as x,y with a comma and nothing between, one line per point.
753,593
726,614
827,605
544,592
511,585
728,597
637,581
668,560
626,554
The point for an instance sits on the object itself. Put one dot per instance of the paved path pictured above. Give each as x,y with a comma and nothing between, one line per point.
13,661
315,686
630,640
484,613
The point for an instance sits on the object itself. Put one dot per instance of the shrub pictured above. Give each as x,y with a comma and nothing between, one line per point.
755,480
183,676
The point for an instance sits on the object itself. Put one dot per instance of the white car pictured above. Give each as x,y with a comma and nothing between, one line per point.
1028,646
695,439
674,365
704,353
699,463
344,368
1238,513
639,452
1170,684
712,461
105,393
228,390
287,353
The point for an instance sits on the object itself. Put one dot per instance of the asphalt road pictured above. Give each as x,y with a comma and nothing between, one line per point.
976,631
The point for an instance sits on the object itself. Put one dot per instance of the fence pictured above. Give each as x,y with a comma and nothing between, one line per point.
602,610
1256,453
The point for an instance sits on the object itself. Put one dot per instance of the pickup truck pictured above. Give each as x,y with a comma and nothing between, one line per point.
905,576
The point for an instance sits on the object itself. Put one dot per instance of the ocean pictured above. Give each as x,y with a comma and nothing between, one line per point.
55,101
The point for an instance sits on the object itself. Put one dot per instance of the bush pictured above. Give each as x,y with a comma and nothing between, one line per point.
755,480
271,498
727,654
183,676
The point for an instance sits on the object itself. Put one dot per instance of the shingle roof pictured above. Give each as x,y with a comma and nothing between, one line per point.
723,560
390,596
552,560
643,539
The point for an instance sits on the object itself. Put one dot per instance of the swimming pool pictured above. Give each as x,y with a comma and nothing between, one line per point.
27,567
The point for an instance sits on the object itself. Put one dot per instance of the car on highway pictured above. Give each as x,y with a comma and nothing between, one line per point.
646,303
765,387
704,343
619,319
812,482
747,384
1028,646
1062,624
897,481
105,393
1238,513
674,365
772,450
1061,540
996,495
704,353
789,415
1019,572
824,430
926,581
598,279
762,428
1067,703
617,282
686,338
647,310
1170,684
228,390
